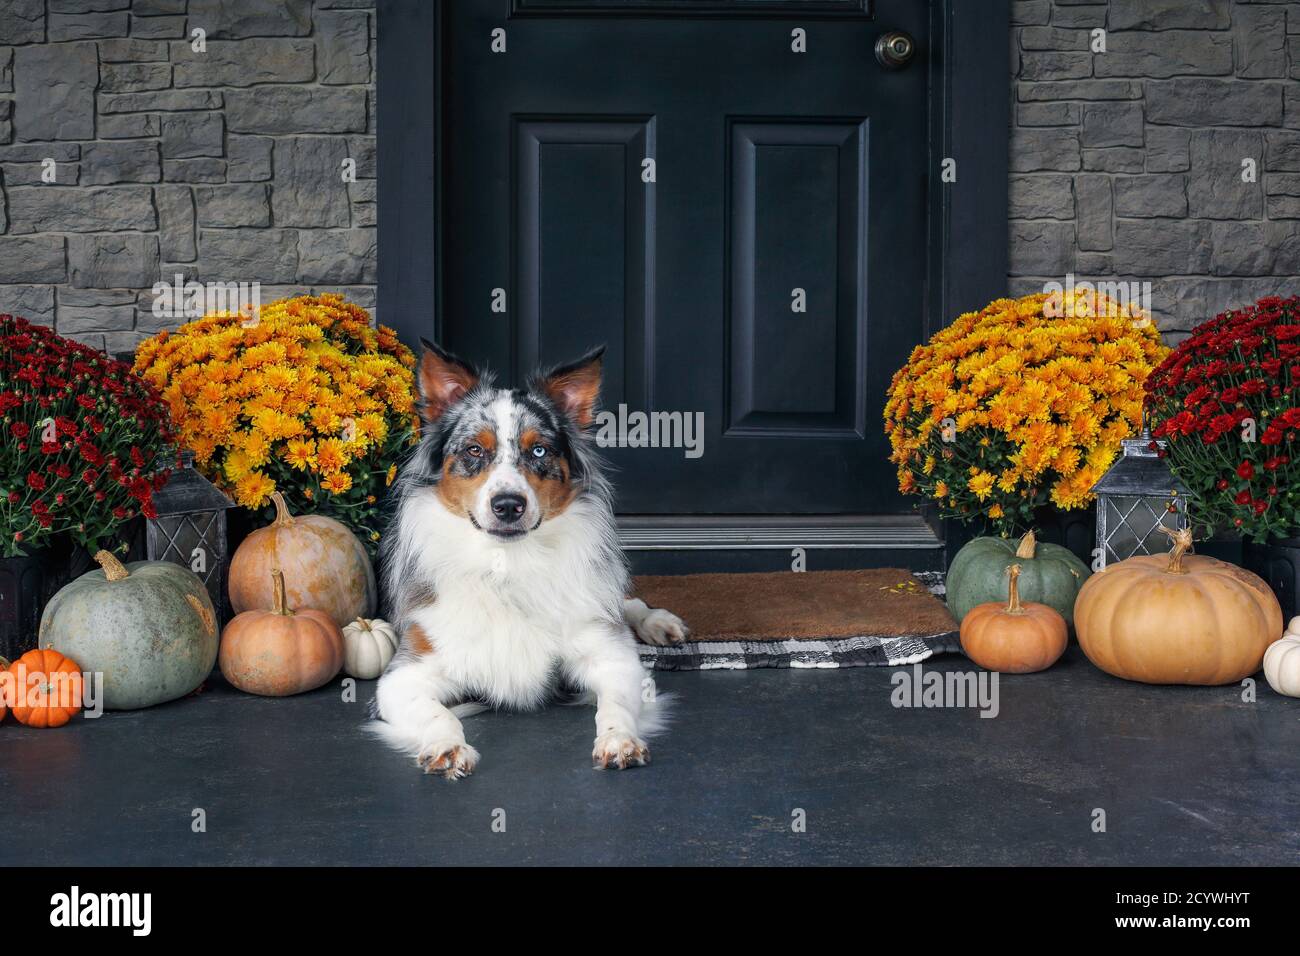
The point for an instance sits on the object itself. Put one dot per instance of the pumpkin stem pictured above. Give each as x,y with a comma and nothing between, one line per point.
280,604
282,515
1028,545
4,664
1182,539
1013,590
113,568
363,623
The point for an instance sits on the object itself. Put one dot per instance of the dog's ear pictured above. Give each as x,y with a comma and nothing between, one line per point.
443,379
576,387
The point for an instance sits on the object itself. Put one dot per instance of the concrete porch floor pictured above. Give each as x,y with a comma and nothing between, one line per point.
1185,775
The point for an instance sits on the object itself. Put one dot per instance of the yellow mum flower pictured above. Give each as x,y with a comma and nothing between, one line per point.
237,465
981,483
337,483
330,455
263,405
1042,390
254,489
255,445
301,454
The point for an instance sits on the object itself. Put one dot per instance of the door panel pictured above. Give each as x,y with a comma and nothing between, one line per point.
580,287
797,225
773,171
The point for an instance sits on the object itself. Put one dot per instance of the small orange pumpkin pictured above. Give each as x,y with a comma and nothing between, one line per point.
1015,639
4,690
45,688
281,652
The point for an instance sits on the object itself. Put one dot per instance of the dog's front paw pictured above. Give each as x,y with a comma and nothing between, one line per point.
451,760
620,750
662,628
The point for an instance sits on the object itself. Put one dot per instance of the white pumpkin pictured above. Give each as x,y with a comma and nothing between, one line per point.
1282,661
368,646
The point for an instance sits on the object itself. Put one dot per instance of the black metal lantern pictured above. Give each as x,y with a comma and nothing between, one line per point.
190,529
1137,497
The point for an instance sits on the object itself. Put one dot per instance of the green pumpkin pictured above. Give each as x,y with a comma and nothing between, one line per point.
1050,574
148,627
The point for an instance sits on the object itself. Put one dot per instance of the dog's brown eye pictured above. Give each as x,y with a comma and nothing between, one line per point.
475,451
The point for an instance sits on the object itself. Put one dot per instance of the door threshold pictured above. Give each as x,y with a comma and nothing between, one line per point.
775,532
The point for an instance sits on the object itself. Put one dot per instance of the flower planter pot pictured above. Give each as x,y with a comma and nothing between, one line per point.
1076,530
1278,563
27,582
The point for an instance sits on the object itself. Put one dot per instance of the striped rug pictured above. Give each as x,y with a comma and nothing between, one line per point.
860,651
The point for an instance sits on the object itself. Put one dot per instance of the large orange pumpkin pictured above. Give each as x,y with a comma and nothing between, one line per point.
1016,638
280,652
45,688
1177,619
325,567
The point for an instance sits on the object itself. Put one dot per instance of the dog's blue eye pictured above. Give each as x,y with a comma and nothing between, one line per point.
539,451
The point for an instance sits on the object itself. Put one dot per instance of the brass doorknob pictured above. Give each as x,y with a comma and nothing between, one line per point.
895,49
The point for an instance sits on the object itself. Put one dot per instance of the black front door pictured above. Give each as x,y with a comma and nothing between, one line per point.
731,196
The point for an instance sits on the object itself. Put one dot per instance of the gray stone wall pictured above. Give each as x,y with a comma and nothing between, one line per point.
1128,163
224,165
220,165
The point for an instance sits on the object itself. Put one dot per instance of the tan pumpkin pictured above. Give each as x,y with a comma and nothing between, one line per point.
1177,619
325,567
280,652
1015,638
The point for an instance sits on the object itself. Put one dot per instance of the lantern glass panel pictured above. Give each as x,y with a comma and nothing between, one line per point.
1130,524
196,541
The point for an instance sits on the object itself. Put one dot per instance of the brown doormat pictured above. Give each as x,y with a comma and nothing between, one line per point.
809,619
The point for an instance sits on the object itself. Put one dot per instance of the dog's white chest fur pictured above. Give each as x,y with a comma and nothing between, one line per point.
491,644
506,615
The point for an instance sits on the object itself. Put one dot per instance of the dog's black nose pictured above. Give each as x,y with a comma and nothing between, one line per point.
508,508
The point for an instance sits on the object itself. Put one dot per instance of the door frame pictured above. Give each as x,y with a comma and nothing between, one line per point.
969,115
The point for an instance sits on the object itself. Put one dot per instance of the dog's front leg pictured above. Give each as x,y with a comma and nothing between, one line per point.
654,625
607,664
411,699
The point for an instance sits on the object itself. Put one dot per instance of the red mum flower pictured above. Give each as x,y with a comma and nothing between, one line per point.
1246,471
